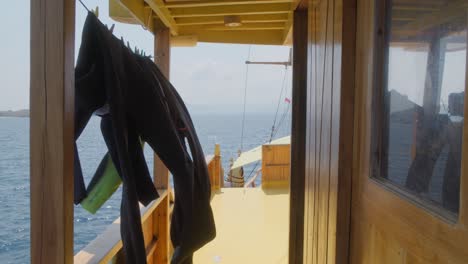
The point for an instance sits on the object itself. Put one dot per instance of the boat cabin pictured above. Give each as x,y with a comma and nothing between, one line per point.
376,167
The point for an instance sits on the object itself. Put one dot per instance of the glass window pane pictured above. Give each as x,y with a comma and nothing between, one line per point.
420,98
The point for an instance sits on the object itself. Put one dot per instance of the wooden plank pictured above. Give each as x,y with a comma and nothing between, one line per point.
276,166
109,244
344,78
325,132
137,10
244,27
298,137
182,4
162,53
281,8
246,19
257,37
159,7
464,168
51,130
287,32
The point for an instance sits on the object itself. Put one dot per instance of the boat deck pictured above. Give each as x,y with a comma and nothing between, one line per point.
252,227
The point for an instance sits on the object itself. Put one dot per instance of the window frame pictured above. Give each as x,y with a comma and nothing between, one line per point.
380,113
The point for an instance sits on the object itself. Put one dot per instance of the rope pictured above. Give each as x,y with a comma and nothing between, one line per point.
283,116
245,101
275,129
278,105
87,9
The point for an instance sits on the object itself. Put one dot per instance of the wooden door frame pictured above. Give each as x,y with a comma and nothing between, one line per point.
298,135
345,62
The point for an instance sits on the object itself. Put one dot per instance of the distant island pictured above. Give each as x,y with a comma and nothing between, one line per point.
19,113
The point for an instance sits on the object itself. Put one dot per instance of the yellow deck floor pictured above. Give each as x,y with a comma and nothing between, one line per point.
252,227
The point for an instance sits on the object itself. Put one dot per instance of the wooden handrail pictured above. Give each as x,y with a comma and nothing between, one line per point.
107,245
215,169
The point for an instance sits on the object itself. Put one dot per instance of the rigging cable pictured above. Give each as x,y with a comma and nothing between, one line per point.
81,2
245,100
275,128
278,105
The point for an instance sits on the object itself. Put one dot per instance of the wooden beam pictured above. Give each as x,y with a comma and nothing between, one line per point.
184,4
163,13
162,55
142,13
256,9
222,27
246,19
287,33
255,37
464,167
52,130
298,137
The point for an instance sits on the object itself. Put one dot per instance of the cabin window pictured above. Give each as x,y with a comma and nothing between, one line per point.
419,98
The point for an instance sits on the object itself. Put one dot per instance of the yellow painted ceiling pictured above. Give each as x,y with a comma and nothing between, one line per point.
263,21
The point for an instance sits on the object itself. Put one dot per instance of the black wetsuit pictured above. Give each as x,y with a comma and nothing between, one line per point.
142,104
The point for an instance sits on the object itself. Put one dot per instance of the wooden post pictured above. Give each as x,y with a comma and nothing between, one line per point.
298,136
51,130
162,55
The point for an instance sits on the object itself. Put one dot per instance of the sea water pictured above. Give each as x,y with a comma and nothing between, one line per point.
224,129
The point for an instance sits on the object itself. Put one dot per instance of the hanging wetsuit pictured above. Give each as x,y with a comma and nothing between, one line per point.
142,105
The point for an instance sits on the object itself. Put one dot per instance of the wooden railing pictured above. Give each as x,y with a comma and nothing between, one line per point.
107,247
215,169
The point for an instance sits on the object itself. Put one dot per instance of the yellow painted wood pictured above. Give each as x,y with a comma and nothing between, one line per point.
215,169
222,27
188,19
222,3
252,227
276,166
287,30
138,10
246,19
184,41
163,13
109,244
260,37
120,13
232,10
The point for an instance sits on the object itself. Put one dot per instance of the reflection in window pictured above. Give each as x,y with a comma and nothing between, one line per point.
419,99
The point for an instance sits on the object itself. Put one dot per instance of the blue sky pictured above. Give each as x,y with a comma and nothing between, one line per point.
208,77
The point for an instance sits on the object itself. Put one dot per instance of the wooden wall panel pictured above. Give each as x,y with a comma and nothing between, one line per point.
51,130
385,226
329,131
